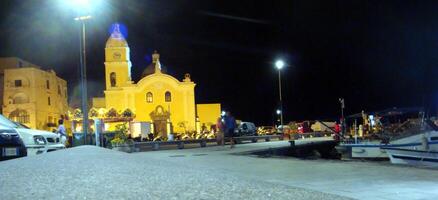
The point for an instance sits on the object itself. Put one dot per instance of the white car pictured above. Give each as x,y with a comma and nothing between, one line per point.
36,141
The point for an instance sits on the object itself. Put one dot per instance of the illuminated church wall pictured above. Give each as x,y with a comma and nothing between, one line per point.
147,98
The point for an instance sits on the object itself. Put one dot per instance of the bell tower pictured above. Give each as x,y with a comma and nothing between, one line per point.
117,61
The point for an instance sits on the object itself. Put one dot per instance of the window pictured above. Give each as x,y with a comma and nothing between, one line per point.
149,97
48,100
47,84
19,116
18,83
20,98
168,97
113,79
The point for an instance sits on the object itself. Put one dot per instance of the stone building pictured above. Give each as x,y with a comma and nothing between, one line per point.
10,63
32,96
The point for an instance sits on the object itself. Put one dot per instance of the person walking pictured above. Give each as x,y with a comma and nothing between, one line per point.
62,132
230,125
220,132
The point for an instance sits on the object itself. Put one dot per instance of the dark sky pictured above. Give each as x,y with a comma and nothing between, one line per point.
375,54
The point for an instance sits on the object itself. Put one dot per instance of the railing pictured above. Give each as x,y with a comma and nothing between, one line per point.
138,146
309,135
180,143
267,138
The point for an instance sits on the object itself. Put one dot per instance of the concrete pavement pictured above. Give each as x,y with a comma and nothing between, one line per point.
93,173
207,173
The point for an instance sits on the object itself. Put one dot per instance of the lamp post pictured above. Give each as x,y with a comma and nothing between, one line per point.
83,63
82,8
279,64
342,102
278,111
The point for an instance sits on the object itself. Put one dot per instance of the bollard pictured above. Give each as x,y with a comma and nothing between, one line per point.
292,143
203,143
180,145
155,146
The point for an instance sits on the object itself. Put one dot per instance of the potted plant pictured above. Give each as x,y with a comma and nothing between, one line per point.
121,141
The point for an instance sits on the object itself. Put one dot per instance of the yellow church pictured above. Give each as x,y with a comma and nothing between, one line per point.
158,98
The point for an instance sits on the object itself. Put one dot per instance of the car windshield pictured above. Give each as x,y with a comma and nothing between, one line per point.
6,122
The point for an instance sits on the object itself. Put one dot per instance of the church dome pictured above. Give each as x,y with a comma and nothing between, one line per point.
154,67
116,38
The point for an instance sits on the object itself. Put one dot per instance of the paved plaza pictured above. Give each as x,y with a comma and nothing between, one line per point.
215,172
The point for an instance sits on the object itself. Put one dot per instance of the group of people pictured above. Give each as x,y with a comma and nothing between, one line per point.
225,128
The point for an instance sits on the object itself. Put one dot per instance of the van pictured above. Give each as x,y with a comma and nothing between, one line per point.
246,129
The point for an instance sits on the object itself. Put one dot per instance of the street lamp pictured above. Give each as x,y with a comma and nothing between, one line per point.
278,111
83,5
279,64
342,102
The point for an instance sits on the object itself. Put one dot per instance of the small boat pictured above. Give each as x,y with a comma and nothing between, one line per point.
370,149
425,154
404,133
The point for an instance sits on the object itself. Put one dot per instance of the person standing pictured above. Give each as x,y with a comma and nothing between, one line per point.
220,132
230,125
62,132
337,131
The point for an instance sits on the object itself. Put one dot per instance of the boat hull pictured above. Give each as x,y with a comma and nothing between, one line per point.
370,151
413,157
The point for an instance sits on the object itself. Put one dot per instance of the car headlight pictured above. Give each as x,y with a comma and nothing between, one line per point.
39,139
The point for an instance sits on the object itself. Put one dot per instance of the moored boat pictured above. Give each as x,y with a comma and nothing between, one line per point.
425,154
403,128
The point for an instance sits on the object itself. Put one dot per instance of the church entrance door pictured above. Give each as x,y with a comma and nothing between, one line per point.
160,117
160,127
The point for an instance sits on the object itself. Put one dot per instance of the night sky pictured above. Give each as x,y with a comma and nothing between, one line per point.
375,54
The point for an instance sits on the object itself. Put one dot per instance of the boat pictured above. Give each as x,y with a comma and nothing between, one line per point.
422,152
407,126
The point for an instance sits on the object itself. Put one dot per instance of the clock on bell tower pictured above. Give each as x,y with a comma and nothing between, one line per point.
117,61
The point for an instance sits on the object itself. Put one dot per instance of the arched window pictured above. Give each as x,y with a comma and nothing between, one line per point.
20,98
113,79
149,97
168,97
21,116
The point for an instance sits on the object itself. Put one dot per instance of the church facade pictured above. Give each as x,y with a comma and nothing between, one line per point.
157,98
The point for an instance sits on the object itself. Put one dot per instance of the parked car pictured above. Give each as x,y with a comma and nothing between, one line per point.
266,130
35,141
11,145
246,129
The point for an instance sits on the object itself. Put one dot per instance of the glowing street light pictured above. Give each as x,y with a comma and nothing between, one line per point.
279,64
223,113
82,18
